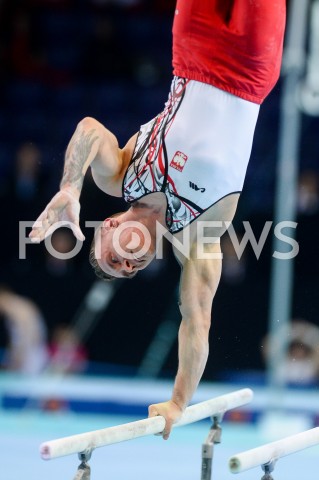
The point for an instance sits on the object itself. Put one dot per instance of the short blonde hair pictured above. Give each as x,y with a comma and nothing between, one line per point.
96,267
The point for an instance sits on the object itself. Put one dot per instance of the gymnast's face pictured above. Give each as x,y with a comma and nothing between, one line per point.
122,249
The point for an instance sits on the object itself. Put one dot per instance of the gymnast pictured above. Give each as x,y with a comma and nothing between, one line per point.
187,165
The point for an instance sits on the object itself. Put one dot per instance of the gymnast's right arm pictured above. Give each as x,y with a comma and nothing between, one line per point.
91,145
198,285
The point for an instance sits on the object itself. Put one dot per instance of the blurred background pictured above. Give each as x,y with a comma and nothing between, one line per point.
70,344
62,60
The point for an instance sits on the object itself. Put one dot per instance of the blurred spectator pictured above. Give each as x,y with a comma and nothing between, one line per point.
25,189
59,276
301,367
308,193
26,351
27,185
106,55
234,268
67,354
27,181
146,71
26,49
307,261
26,57
62,243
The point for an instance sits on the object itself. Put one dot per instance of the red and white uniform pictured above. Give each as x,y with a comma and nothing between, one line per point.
226,58
235,45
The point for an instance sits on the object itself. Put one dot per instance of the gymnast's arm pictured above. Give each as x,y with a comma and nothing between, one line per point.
199,282
91,145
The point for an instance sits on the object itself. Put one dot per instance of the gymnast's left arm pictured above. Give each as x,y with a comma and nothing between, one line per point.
198,285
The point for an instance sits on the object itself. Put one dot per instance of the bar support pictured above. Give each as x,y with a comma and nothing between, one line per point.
268,468
84,469
213,438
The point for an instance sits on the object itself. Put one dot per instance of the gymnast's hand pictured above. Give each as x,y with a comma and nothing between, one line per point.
170,411
62,211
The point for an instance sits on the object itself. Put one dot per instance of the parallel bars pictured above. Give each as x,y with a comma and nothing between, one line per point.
87,442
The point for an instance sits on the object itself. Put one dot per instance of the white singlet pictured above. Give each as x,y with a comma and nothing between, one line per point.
196,151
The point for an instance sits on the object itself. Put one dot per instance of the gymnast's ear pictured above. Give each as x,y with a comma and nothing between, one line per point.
109,223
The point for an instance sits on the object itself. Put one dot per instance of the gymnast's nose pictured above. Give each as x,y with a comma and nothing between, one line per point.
128,267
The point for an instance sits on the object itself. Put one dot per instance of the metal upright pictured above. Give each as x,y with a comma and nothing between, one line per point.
286,188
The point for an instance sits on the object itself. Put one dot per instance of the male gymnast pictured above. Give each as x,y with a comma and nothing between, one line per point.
186,165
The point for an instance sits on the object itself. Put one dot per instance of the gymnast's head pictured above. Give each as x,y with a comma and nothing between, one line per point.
121,247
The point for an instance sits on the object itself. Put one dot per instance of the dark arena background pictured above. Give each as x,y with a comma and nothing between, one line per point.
64,60
78,354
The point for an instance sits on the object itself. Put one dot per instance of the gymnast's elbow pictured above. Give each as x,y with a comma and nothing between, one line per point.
196,318
87,124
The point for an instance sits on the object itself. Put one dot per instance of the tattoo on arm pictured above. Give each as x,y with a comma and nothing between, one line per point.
77,154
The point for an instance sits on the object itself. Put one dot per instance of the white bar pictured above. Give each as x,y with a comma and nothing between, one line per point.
149,426
273,451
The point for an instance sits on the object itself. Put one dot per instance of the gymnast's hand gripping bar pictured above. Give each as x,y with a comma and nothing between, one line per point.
87,442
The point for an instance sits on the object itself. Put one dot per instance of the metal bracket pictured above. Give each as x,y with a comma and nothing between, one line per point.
268,468
84,469
214,437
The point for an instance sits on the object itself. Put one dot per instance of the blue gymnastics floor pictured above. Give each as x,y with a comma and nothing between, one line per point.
148,458
144,458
